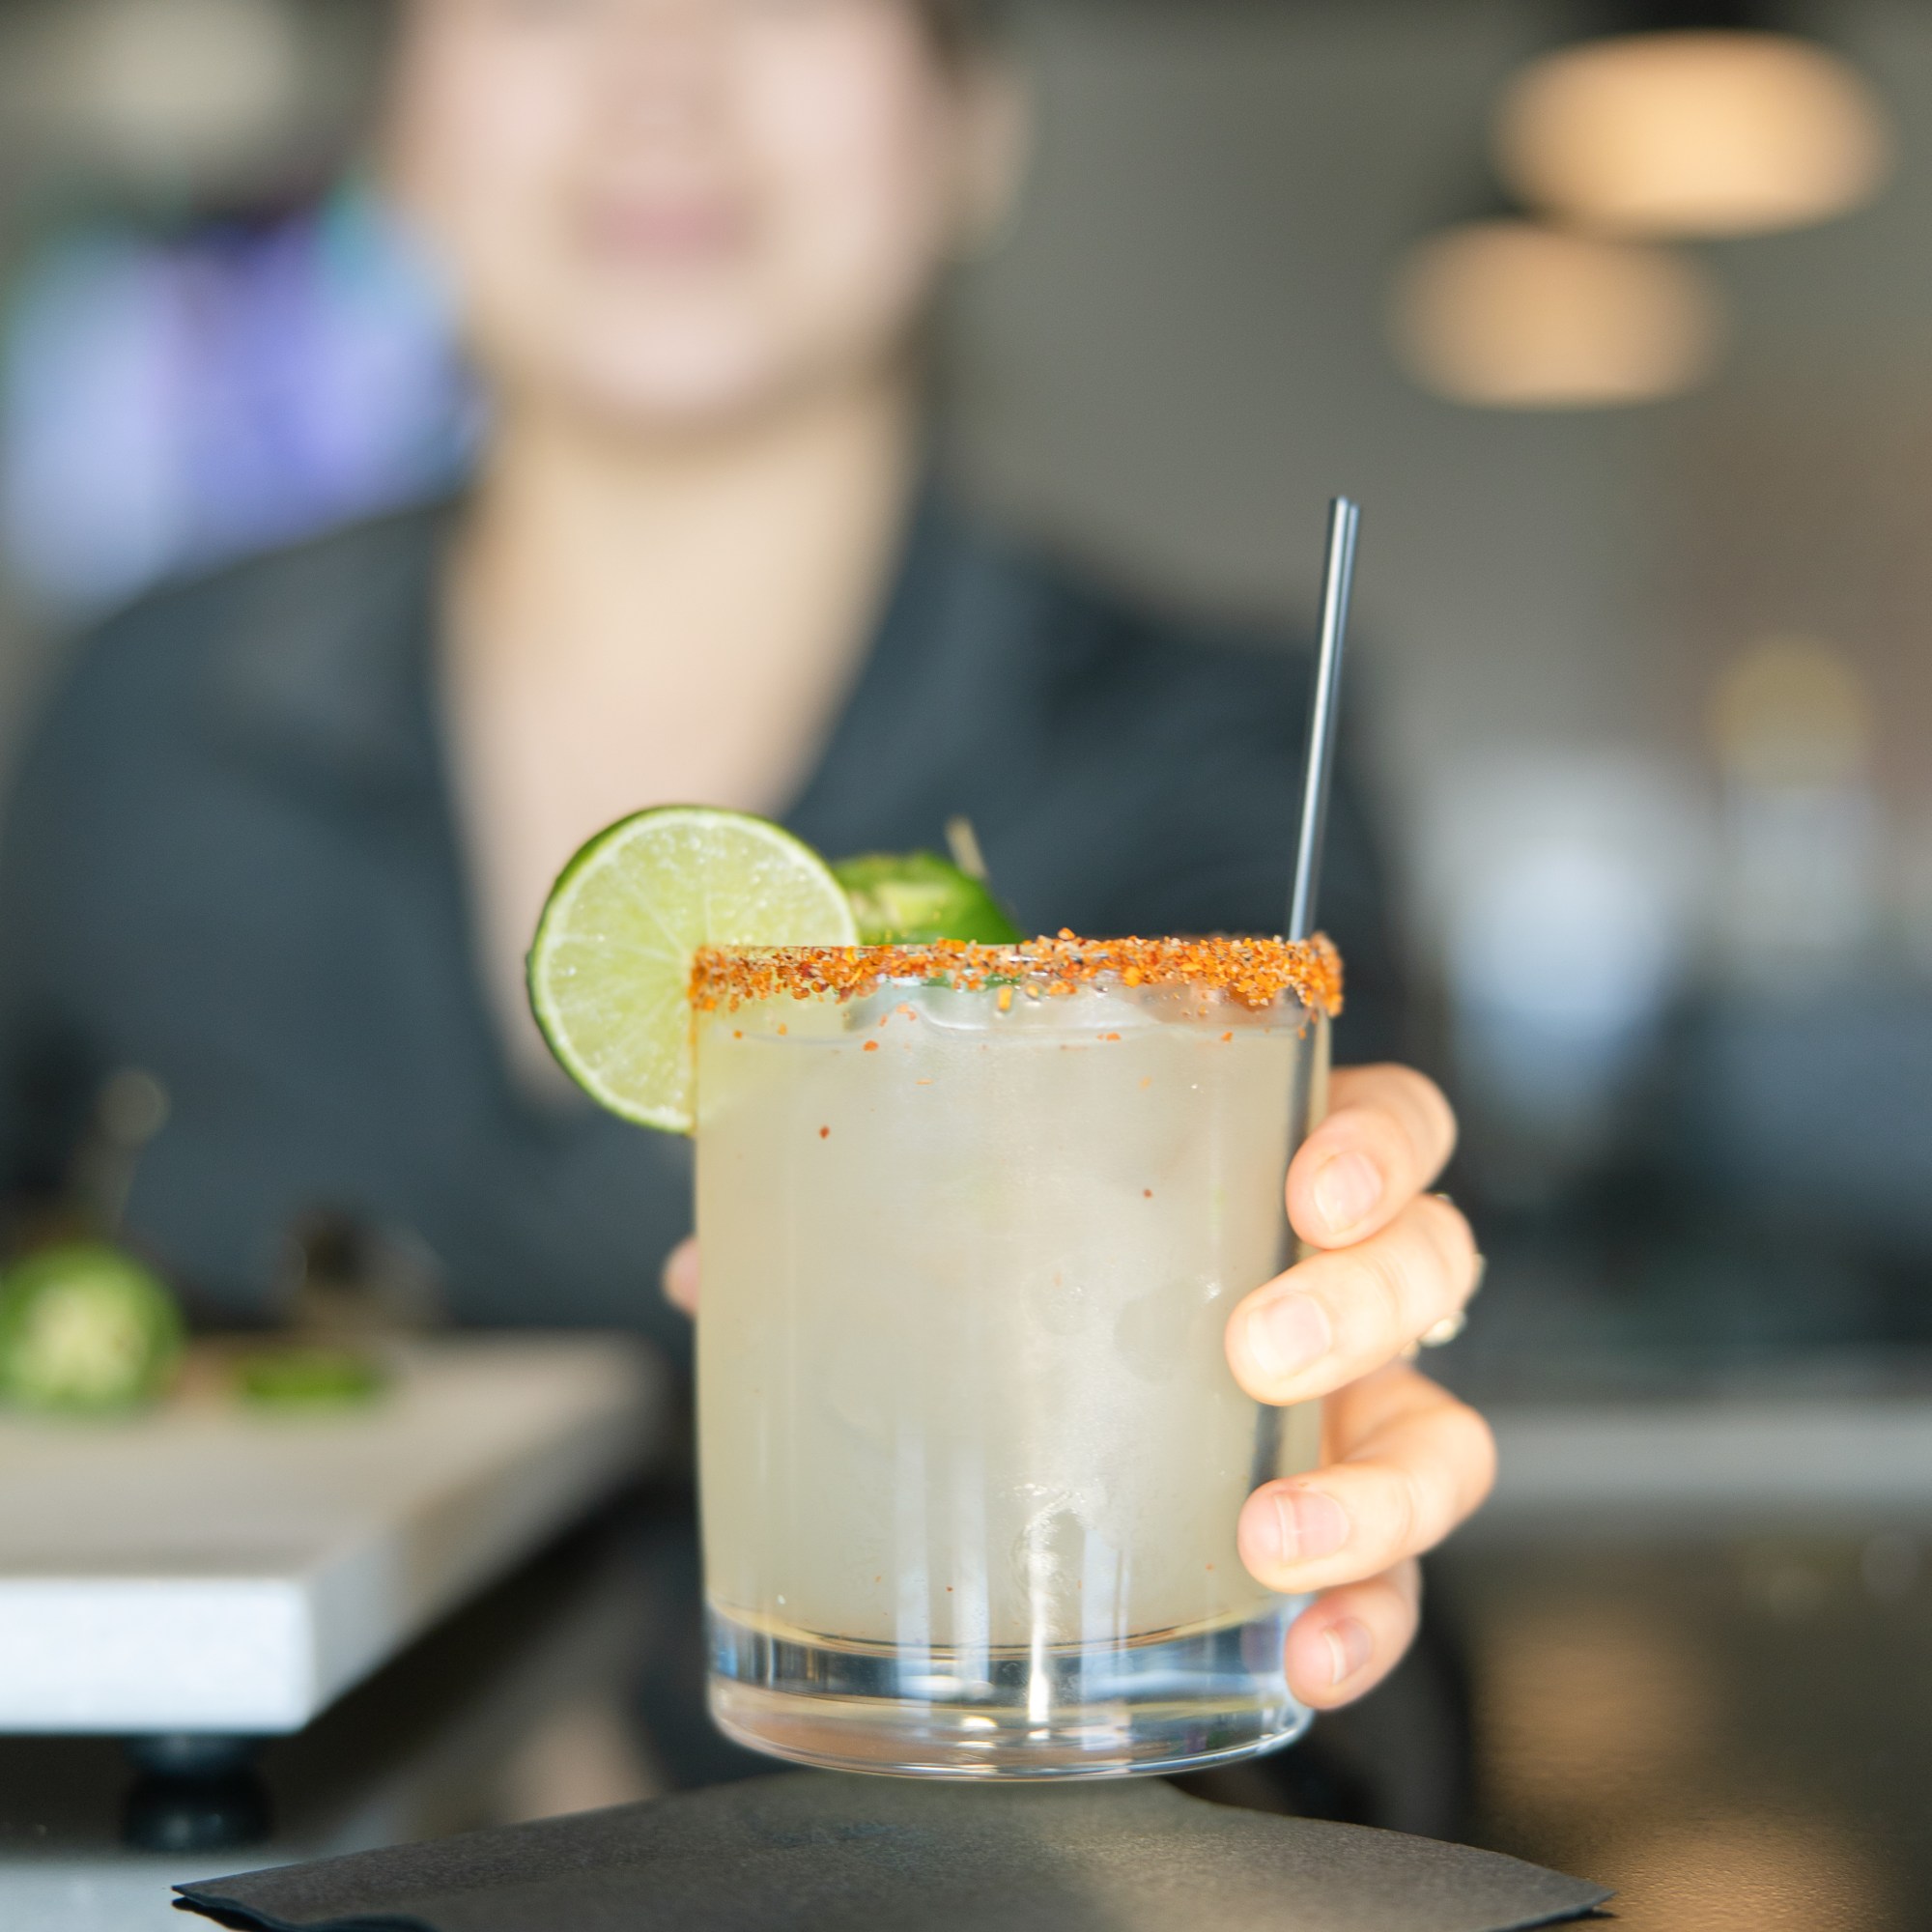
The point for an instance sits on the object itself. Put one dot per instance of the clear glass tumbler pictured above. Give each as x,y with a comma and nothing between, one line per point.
971,1454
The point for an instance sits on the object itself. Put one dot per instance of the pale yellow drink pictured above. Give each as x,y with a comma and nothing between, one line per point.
972,1456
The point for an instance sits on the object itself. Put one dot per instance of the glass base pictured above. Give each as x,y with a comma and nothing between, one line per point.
1163,1704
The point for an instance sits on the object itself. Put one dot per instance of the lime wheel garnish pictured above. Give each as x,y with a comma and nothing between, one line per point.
610,971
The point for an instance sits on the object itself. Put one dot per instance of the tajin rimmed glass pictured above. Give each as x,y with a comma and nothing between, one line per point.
973,1221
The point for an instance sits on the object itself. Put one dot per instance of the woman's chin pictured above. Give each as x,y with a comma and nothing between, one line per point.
687,389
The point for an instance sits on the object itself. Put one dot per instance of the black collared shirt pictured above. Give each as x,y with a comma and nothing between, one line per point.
232,860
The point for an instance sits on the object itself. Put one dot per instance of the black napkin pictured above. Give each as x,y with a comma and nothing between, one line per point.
811,1852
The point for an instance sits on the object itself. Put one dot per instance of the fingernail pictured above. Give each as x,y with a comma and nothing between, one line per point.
1347,1189
1288,1333
1303,1526
1349,1649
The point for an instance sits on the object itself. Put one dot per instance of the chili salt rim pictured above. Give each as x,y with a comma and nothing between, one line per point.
1253,973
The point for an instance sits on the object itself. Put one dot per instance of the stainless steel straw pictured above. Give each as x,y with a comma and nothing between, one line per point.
1344,521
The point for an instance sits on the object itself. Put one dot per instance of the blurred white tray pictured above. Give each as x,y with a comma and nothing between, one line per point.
208,1568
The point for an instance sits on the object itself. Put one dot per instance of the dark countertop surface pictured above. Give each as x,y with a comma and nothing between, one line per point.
1734,1731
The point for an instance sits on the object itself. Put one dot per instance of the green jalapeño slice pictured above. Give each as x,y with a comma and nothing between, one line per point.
911,899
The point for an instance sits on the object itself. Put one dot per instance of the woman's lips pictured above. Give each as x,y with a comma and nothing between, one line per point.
667,233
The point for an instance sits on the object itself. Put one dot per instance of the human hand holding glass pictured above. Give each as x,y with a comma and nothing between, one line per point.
1404,1462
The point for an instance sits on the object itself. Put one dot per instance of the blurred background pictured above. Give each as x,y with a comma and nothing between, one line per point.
1625,352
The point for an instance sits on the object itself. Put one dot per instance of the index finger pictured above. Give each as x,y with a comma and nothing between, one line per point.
680,1275
1388,1134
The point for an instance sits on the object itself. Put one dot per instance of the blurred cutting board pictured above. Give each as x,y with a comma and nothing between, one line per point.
208,1568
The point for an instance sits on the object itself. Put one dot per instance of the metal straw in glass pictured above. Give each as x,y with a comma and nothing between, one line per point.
1345,520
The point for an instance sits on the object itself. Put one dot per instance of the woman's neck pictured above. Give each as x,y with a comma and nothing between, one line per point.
763,544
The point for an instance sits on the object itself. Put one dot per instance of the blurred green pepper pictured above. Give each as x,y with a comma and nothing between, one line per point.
309,1375
85,1327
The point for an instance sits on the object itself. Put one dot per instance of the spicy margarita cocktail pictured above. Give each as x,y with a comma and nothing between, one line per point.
972,1222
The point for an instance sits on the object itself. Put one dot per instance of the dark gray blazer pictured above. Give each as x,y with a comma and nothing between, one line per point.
231,859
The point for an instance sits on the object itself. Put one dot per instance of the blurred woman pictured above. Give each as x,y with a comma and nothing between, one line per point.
284,834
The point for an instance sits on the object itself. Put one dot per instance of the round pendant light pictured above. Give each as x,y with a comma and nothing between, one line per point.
1792,711
1509,314
1691,132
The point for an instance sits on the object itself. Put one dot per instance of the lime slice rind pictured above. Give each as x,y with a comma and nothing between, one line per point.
611,967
